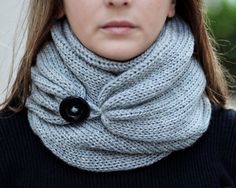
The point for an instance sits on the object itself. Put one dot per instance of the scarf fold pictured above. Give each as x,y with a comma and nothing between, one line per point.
142,109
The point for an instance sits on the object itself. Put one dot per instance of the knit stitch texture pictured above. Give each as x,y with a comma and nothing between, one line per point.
141,110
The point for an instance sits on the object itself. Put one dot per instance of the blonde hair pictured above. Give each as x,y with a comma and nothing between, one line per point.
43,14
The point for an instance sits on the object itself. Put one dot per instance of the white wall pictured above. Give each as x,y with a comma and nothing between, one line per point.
10,11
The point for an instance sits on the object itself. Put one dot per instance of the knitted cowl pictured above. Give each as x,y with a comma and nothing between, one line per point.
142,109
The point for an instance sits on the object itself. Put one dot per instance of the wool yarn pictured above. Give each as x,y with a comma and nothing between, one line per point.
142,109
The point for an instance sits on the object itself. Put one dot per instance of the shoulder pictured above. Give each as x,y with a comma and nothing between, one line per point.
223,121
15,136
222,129
12,124
11,118
225,118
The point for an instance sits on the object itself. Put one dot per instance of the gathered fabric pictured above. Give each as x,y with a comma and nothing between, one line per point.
142,109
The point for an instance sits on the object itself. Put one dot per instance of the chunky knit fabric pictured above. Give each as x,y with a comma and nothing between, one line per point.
141,110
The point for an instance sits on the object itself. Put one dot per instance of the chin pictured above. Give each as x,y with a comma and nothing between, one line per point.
120,55
120,58
119,50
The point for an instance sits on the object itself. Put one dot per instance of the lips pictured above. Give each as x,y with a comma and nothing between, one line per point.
118,27
119,24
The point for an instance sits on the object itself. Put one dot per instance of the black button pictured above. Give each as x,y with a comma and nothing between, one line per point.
74,109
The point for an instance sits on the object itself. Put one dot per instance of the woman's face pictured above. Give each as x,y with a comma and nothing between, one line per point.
118,29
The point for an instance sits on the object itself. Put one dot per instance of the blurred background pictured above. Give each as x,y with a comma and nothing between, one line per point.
222,25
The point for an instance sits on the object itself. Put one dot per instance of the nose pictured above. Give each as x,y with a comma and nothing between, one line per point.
118,3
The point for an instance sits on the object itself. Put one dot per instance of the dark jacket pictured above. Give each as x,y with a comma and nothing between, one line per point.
211,162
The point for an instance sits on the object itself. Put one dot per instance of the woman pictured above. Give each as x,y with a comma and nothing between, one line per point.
118,93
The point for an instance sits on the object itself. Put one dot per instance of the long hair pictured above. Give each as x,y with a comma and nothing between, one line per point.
43,14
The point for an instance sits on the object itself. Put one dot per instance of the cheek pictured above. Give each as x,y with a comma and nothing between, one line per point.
78,12
79,21
155,15
153,26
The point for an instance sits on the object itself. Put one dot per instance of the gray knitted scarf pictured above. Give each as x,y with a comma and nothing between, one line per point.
141,110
